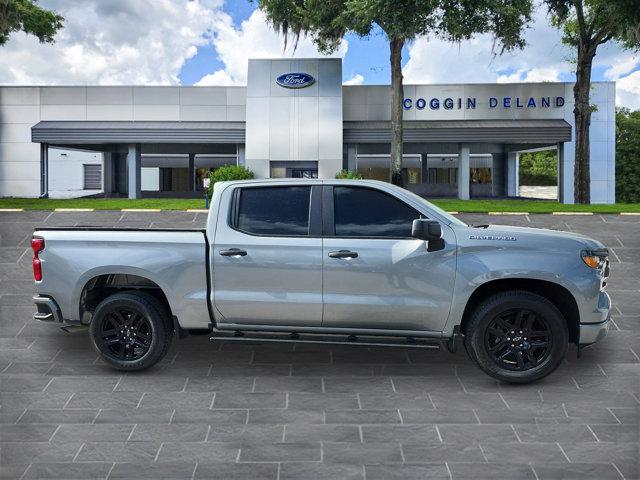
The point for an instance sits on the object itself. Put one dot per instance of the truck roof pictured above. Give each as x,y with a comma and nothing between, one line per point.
307,181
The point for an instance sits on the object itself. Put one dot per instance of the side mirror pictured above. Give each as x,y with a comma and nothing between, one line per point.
430,231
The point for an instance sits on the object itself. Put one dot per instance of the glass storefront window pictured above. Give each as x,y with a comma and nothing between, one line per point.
443,175
480,175
414,176
376,167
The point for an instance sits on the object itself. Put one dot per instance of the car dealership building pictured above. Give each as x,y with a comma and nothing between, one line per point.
293,119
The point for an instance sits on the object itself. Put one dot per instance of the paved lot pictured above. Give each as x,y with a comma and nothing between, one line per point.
235,411
547,193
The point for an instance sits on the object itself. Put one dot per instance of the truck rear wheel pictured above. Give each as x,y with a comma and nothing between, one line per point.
517,336
131,330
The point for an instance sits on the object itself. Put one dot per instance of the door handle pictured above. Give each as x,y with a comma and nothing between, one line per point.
233,252
343,254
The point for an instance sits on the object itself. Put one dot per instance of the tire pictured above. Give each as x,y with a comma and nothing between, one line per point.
494,342
131,330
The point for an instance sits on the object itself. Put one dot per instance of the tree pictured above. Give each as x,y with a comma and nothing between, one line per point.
539,168
587,24
328,21
627,155
28,17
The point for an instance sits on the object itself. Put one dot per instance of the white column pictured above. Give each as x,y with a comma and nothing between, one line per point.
352,152
240,155
192,172
562,176
513,167
463,171
44,170
134,164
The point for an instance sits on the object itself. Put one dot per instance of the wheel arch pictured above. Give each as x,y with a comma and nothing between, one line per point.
100,286
558,295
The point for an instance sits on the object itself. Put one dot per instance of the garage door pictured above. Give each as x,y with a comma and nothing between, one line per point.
93,177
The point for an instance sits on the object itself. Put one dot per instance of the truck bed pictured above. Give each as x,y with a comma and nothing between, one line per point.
176,260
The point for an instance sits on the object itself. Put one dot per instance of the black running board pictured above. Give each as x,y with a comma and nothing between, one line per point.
327,339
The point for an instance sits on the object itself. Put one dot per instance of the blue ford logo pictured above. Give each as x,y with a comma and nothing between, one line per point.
295,80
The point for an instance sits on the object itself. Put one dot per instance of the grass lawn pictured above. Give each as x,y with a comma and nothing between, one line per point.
102,203
448,204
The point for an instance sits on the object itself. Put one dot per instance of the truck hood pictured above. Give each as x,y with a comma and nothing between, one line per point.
531,236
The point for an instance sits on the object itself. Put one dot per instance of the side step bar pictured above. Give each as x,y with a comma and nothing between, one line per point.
327,339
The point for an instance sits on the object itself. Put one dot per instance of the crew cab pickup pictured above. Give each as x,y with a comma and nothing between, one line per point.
337,261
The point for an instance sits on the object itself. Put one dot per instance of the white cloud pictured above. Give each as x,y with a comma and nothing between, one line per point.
545,58
621,70
531,75
253,39
436,61
219,77
114,42
622,65
357,79
628,91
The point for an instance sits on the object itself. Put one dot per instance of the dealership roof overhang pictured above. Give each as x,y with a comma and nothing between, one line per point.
453,131
59,132
436,131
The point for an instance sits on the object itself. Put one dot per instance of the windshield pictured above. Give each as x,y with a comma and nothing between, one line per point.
441,212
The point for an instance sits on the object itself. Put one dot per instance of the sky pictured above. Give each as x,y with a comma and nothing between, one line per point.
208,42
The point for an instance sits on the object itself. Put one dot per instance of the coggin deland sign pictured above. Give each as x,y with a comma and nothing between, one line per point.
469,103
302,80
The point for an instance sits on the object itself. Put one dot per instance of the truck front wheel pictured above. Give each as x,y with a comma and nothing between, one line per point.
516,336
130,330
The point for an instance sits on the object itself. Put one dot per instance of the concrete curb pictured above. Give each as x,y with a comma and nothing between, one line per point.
508,213
11,209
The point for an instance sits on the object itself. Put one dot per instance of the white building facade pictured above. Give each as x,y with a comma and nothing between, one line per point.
293,119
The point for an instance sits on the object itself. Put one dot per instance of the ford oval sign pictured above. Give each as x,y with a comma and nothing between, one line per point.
295,80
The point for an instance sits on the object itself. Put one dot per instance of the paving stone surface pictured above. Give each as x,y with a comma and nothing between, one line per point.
310,412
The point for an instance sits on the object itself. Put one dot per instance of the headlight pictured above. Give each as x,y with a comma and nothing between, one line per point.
596,258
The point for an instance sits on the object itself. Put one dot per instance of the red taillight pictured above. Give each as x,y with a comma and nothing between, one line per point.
37,244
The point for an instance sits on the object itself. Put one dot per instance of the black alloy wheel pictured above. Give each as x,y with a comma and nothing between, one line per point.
518,339
516,336
131,330
126,333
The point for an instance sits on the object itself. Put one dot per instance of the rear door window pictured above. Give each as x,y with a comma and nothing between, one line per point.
279,211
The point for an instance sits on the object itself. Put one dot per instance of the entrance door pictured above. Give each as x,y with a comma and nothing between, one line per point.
267,257
375,274
304,173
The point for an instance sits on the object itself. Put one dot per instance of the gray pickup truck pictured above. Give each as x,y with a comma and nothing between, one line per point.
335,261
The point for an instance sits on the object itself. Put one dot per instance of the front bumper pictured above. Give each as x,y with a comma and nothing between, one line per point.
47,310
596,331
593,332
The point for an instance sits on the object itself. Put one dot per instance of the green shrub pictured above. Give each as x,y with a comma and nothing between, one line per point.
229,172
539,168
627,156
348,175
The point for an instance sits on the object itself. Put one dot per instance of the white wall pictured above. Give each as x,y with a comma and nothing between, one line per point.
66,171
371,103
150,179
19,158
287,124
284,124
23,107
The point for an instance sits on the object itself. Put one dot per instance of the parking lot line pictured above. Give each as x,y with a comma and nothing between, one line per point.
74,209
572,213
